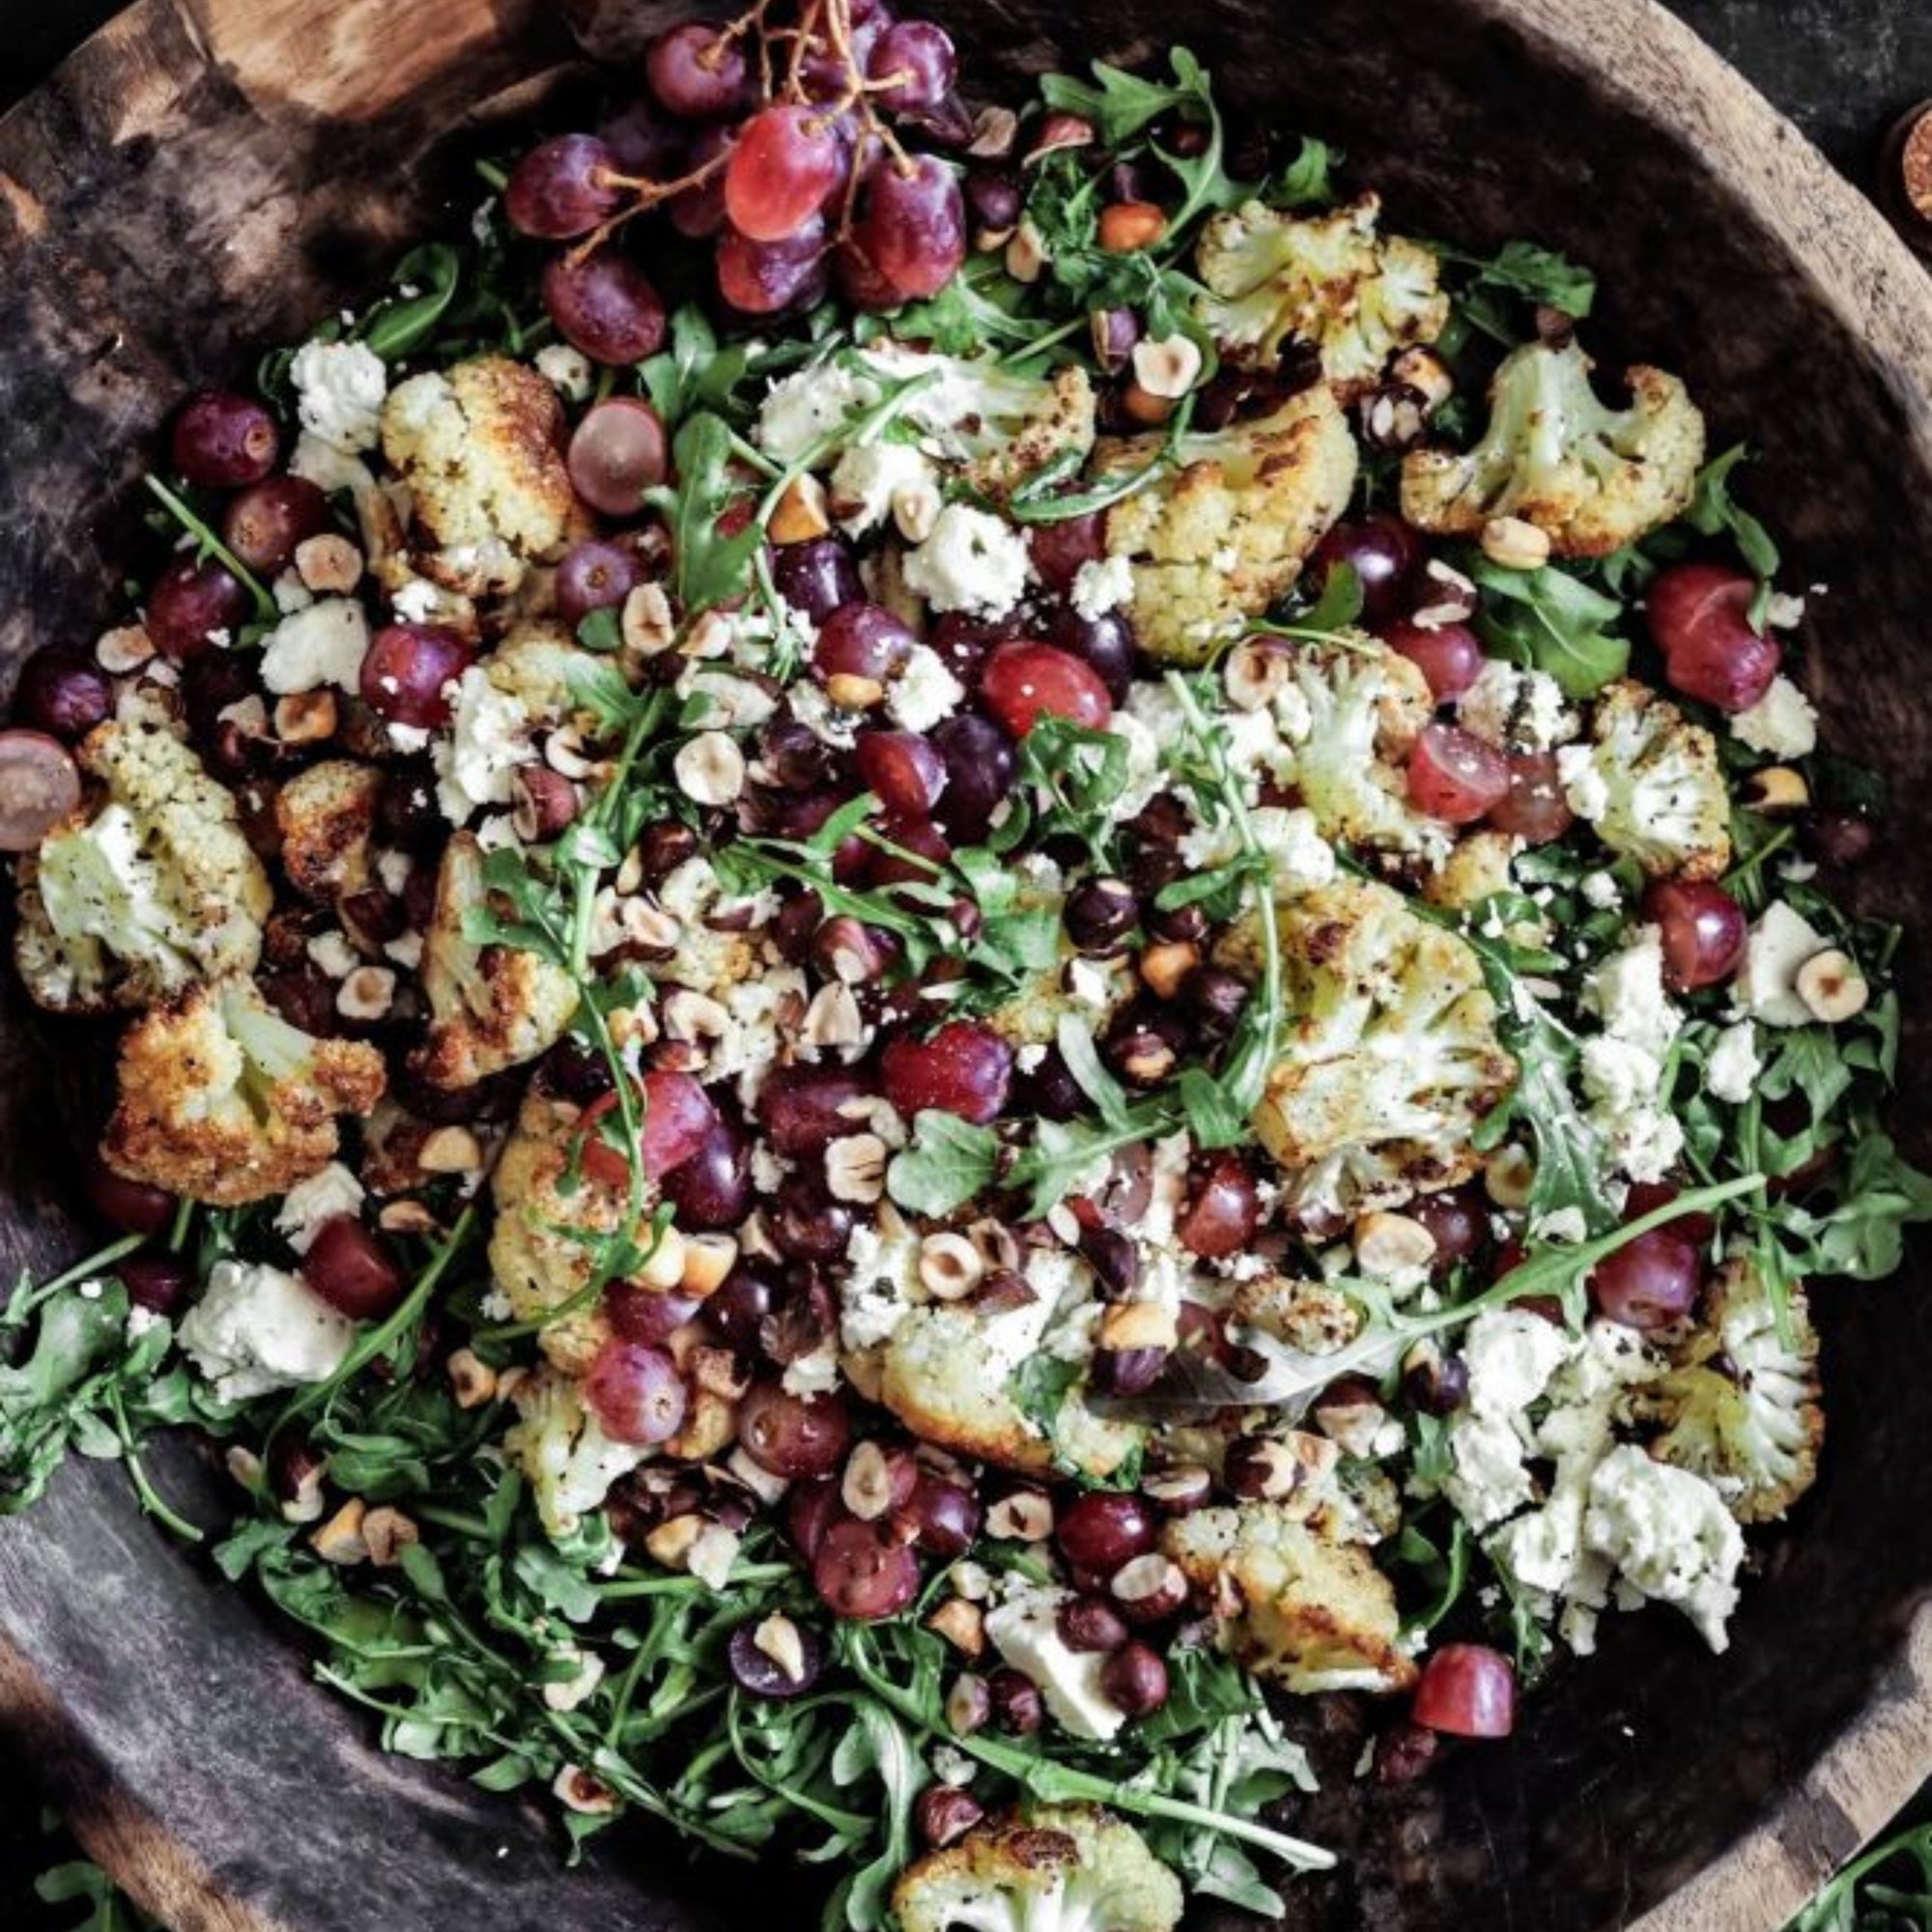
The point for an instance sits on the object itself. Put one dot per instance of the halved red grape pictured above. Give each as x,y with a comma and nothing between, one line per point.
1648,1282
787,161
192,606
679,1118
762,1675
267,521
1700,616
407,669
699,73
863,640
1448,655
1534,807
1025,682
562,189
605,305
1703,930
904,769
63,692
40,785
1454,776
353,1271
802,1108
1468,1690
617,453
861,1573
635,1392
980,768
222,440
794,1436
964,1068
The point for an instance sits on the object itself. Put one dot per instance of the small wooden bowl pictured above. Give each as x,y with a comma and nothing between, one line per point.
210,176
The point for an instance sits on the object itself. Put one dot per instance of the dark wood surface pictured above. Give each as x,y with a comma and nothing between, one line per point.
1581,1824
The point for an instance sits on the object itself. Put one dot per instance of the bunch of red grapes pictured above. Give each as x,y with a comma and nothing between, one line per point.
789,142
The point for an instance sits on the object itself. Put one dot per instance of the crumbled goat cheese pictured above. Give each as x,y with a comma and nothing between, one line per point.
1667,1534
329,469
1600,889
1102,585
257,1329
291,593
881,1283
1626,994
486,743
1025,1630
339,390
323,643
1731,1070
309,1204
924,693
1586,790
803,409
972,562
1766,988
566,369
416,600
1521,709
1782,724
868,476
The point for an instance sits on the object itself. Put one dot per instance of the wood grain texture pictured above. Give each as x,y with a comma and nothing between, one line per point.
1710,1795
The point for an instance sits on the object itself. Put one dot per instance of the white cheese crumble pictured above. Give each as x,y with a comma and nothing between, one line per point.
805,408
1766,987
486,743
868,476
1782,724
1520,709
924,693
1669,1535
1600,889
972,562
1626,993
1732,1067
567,370
339,392
310,1202
258,1329
1102,585
881,1282
322,643
1025,1631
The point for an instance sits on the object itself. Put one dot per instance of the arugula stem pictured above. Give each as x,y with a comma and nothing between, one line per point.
101,1261
265,607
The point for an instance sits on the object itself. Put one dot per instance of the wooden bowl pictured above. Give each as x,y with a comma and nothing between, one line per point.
211,175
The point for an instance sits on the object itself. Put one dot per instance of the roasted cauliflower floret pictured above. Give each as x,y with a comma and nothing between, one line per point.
1650,784
564,1452
1067,1868
1314,1316
1593,479
1740,1406
1390,1057
144,891
1331,280
480,449
1217,537
326,815
222,1100
1293,1608
1008,428
539,1248
947,1373
491,1006
1351,715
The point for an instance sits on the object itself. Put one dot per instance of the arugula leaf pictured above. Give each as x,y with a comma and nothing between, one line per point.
710,566
694,371
1888,1888
82,1882
1714,512
948,1161
1540,276
403,323
1308,180
1550,621
1120,104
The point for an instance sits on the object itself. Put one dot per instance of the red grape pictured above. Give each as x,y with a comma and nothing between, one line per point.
617,453
407,671
635,1392
562,189
863,640
816,577
40,785
1534,807
861,281
1221,1212
1103,1529
786,164
904,769
595,576
352,1270
736,1311
63,692
793,1436
980,767
131,1205
1700,616
802,1108
942,1516
914,227
644,1315
679,1118
1448,656
1105,643
222,440
1468,1690
763,277
1456,1218
157,1283
1383,552
712,1187
912,65
1703,930
1651,1281
266,521
861,1573
964,1068
699,74
1454,776
1027,682
604,306
1059,548
643,142
190,604
697,211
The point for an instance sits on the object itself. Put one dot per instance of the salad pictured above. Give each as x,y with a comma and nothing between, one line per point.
955,951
